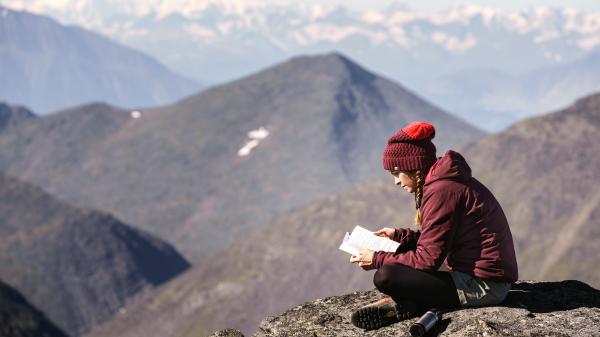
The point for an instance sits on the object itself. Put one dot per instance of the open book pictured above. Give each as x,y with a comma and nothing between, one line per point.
361,239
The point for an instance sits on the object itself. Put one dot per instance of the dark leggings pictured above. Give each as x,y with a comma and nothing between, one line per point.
427,289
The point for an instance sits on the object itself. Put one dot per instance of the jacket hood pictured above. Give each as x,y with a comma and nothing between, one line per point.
451,166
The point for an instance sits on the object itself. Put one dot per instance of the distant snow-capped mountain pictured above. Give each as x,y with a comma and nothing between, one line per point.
219,40
216,41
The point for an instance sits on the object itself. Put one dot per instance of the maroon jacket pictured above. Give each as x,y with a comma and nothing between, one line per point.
462,223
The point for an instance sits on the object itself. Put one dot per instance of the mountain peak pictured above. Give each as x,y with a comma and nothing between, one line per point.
330,61
312,71
93,107
11,116
320,57
297,78
590,104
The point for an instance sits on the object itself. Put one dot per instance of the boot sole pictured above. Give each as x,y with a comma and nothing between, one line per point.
371,318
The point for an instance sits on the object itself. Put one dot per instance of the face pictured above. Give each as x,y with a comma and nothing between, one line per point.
405,179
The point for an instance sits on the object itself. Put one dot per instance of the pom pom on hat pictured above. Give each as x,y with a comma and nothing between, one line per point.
419,130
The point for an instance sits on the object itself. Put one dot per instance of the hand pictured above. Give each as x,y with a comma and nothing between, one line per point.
364,259
386,233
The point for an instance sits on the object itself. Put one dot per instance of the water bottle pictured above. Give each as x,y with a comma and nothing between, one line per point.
425,323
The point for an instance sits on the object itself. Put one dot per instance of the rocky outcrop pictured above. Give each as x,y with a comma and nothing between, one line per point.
567,308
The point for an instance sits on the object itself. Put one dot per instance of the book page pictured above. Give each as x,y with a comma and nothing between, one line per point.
347,247
361,239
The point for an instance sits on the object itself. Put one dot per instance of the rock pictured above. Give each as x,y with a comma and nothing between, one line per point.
567,308
227,333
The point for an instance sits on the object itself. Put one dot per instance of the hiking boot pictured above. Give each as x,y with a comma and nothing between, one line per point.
383,313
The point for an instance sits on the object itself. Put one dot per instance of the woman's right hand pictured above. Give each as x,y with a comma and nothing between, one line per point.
386,233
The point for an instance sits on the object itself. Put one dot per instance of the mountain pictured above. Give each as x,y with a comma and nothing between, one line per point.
493,100
79,266
543,171
12,116
48,66
18,318
201,172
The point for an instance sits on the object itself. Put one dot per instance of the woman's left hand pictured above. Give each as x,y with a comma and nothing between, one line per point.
364,259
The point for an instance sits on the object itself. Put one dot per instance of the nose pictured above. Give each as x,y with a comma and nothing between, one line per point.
396,180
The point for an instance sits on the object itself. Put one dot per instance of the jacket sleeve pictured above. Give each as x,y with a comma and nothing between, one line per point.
438,213
407,238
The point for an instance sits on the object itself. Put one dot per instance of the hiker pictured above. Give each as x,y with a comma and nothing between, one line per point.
461,225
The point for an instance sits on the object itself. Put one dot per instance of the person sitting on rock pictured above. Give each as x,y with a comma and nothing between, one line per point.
461,226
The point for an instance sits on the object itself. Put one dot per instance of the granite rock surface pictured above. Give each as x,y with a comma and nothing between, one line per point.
566,308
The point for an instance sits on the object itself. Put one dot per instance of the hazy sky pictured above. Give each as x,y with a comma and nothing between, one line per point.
587,5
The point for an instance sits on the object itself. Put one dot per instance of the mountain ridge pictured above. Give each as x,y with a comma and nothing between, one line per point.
49,66
77,265
12,116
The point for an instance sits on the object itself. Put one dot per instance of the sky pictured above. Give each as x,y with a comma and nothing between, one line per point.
425,5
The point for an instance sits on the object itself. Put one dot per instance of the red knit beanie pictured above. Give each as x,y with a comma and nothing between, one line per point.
410,148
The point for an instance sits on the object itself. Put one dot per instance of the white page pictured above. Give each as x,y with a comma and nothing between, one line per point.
348,248
362,238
